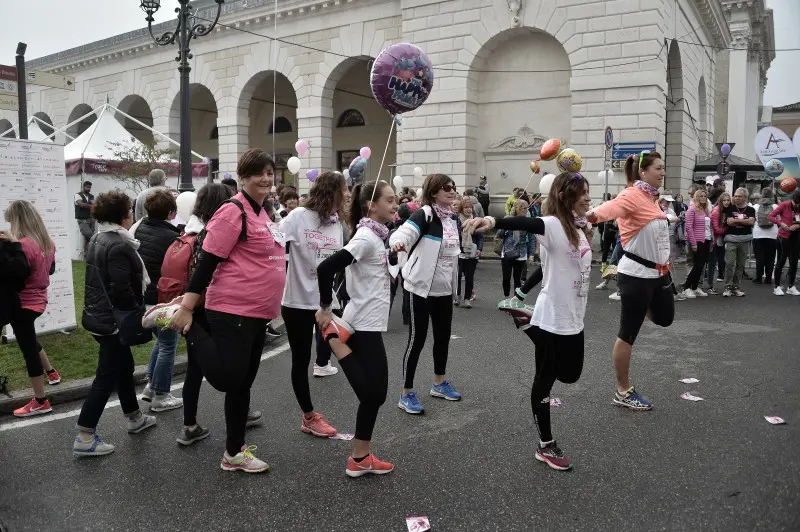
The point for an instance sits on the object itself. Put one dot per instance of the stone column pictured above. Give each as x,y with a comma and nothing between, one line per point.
743,94
233,125
315,124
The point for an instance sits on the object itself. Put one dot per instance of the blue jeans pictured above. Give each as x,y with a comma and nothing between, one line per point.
162,360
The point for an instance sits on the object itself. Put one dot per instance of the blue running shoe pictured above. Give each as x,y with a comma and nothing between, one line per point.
445,390
410,403
632,399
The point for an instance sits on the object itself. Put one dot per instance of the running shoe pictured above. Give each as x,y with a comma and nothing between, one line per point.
611,270
739,293
160,314
94,447
603,285
34,408
603,266
253,418
552,455
272,332
148,394
632,399
778,291
516,308
445,390
615,296
467,303
457,301
473,296
325,371
792,291
165,401
188,437
144,422
318,426
54,378
727,293
689,294
712,291
370,465
680,296
720,279
699,292
410,403
244,460
337,328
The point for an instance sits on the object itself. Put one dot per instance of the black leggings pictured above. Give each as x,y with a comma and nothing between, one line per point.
300,329
642,297
558,357
228,352
609,238
367,371
764,249
788,248
698,266
194,374
22,322
440,311
511,266
467,267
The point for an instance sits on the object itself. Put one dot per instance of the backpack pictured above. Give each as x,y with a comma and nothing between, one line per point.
762,216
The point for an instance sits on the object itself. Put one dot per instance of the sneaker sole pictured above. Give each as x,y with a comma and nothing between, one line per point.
152,312
35,412
443,396
252,423
361,473
92,453
186,443
626,405
165,408
551,464
140,429
239,468
53,383
401,406
314,433
331,374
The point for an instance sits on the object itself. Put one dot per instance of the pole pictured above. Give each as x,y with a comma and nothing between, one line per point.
184,69
22,91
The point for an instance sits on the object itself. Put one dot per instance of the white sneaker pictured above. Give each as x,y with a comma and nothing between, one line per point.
699,292
689,293
615,296
738,293
727,293
165,401
325,371
602,286
680,296
160,314
778,291
148,394
244,461
792,291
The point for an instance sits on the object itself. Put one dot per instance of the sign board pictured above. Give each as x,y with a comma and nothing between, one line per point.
609,137
45,79
621,150
9,99
34,171
9,103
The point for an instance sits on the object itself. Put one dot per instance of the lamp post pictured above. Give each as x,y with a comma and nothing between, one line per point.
182,35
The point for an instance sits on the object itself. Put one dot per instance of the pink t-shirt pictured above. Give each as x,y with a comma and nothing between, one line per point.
250,282
34,295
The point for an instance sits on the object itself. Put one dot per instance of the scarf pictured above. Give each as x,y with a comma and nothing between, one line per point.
127,237
442,213
332,219
581,221
647,187
378,228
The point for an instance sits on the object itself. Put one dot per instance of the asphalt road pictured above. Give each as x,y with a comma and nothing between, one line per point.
709,465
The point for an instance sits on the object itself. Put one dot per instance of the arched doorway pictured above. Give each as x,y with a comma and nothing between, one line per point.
45,124
6,129
79,127
203,121
138,108
275,134
517,110
678,159
359,121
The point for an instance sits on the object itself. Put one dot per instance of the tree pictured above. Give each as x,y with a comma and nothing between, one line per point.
135,161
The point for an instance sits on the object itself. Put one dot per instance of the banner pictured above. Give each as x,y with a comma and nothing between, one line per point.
773,144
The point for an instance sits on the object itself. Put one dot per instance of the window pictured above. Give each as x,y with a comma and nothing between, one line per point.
351,118
214,134
281,125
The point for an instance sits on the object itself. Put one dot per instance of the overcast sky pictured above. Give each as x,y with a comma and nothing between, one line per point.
50,26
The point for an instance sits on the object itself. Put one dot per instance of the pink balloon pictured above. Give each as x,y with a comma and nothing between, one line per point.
301,146
365,152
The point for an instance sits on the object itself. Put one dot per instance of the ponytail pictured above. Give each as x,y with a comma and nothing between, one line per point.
631,169
355,214
362,194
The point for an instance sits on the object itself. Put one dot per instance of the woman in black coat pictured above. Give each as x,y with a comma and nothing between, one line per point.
115,280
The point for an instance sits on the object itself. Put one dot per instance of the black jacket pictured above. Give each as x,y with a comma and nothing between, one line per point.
14,270
111,263
155,237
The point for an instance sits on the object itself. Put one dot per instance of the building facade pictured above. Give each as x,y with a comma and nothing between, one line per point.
509,74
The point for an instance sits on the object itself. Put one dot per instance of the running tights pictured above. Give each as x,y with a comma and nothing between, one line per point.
300,328
558,357
368,373
466,267
788,249
439,309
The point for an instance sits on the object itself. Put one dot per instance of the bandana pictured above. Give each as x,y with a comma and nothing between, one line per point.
647,187
442,213
332,219
581,221
378,228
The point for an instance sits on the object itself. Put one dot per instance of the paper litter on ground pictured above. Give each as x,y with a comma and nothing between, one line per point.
555,401
418,524
690,397
690,380
340,436
775,420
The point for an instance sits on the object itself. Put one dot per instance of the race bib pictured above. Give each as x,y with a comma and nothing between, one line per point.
277,234
797,218
470,249
450,248
323,254
583,290
663,241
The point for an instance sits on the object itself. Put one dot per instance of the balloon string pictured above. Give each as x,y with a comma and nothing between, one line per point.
383,159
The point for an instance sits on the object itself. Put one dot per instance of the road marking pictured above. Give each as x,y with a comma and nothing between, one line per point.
38,420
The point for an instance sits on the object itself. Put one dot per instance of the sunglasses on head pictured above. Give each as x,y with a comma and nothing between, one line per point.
449,187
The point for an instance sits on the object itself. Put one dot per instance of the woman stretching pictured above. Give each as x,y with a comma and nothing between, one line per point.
366,316
430,276
700,237
556,326
315,234
643,274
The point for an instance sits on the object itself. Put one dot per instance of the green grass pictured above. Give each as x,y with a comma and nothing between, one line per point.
74,355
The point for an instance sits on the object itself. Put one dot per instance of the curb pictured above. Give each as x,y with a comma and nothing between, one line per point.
79,389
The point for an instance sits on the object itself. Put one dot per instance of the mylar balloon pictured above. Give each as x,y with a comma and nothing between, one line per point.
546,183
401,78
312,174
293,165
397,182
535,167
569,161
788,184
550,149
773,168
357,167
185,203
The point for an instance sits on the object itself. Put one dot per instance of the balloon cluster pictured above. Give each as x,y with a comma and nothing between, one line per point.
567,160
359,164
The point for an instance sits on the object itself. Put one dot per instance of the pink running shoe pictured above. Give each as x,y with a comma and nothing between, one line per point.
160,314
368,466
53,378
318,426
338,328
34,409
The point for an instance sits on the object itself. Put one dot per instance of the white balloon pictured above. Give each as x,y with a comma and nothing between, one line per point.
346,173
293,165
602,175
185,203
398,182
419,193
546,183
418,171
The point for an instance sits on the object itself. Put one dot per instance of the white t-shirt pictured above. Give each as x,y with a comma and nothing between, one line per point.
442,283
651,243
368,282
561,304
312,243
762,232
709,234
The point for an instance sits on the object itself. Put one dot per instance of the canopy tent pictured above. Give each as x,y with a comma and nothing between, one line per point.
35,131
740,170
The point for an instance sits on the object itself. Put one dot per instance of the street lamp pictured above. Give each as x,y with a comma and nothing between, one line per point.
184,33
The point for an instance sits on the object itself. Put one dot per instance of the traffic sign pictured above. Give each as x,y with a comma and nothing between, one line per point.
621,150
45,79
9,99
609,137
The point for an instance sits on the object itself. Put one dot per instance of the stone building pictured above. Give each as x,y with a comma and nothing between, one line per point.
509,74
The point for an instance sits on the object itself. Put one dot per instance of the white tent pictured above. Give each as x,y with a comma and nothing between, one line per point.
36,133
94,143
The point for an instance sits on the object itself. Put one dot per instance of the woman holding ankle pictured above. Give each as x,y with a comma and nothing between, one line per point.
356,338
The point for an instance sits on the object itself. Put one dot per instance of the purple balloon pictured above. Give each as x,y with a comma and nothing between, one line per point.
226,175
312,174
401,78
725,150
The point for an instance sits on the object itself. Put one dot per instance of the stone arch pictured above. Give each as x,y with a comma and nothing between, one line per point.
203,114
45,123
137,107
675,150
351,118
79,127
7,126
